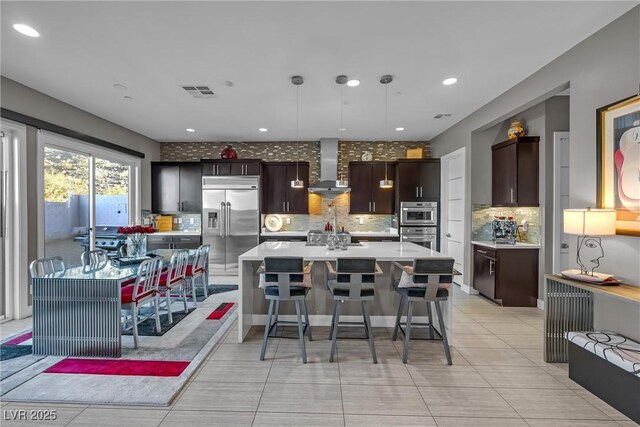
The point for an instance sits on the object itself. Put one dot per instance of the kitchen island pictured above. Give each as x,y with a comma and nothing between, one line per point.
253,306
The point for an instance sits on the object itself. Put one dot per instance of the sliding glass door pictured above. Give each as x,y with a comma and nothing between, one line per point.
66,204
3,227
88,193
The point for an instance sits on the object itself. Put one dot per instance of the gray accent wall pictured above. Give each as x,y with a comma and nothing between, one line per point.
601,70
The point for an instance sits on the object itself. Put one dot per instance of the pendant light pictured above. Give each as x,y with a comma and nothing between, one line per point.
297,81
385,80
341,80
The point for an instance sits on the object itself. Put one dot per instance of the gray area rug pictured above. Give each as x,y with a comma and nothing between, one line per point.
191,340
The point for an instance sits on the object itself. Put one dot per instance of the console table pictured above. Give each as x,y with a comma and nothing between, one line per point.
568,307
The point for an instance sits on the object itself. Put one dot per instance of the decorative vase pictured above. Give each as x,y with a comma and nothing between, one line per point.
136,245
229,152
515,130
367,156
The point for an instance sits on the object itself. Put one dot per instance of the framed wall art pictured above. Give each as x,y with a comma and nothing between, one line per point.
618,155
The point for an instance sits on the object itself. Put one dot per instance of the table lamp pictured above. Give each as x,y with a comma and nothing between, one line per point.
589,224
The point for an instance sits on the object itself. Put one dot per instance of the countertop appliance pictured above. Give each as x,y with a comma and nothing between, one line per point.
505,231
423,236
107,238
230,219
419,214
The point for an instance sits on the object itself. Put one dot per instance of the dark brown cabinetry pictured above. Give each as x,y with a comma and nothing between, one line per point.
506,276
514,172
172,242
226,167
418,180
176,187
366,195
277,194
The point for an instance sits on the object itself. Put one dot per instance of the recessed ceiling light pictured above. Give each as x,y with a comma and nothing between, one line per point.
353,83
449,81
119,86
263,129
399,129
190,130
26,30
342,129
127,97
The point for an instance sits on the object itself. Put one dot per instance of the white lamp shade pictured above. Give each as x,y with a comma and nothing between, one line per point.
590,222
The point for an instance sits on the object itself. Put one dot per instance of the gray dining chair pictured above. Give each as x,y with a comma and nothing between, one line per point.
173,284
143,290
197,272
43,266
352,280
432,278
94,258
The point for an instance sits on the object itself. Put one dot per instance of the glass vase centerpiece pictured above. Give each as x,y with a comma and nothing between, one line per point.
136,239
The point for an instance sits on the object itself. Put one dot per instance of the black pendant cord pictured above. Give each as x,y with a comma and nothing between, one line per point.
297,132
386,128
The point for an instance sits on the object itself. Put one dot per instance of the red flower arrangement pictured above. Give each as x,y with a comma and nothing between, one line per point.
136,229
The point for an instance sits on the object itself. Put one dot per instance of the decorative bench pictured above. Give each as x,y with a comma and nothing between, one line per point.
608,365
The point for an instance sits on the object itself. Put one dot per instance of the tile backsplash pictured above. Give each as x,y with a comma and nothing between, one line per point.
185,222
483,215
320,213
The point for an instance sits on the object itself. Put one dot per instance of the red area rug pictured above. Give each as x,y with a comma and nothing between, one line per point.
219,312
145,368
19,339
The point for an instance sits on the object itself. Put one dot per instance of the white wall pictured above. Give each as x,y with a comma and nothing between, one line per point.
602,69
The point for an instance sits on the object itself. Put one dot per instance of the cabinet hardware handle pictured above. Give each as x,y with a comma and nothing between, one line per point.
421,191
374,206
369,206
480,251
222,222
288,207
417,192
284,207
491,265
512,196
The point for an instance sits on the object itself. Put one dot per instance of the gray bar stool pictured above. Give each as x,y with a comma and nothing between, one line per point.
352,280
283,280
433,278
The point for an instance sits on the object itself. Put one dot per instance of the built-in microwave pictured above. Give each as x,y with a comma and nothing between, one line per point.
419,213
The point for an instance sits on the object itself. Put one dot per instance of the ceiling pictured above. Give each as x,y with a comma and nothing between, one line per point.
153,48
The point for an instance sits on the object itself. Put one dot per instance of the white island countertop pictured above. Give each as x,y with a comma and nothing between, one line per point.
492,245
382,251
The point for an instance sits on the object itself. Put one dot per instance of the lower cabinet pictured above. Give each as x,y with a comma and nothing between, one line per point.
172,242
507,276
360,239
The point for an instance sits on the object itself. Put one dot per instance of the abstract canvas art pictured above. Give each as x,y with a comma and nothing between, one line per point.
618,137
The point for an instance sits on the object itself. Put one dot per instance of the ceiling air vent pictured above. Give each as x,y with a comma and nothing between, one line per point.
441,115
199,91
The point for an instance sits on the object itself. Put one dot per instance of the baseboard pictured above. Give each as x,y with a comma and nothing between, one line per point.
541,304
325,319
467,289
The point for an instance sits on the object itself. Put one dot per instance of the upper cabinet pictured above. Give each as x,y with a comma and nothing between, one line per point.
366,196
514,172
176,187
418,180
277,194
227,167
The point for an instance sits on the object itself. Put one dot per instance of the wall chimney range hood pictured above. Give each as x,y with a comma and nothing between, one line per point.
328,169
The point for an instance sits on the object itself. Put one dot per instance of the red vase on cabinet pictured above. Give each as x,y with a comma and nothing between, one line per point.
229,152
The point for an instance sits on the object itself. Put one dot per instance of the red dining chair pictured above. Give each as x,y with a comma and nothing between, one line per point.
197,270
174,279
143,290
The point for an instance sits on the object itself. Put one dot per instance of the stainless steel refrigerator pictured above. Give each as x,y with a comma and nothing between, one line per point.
230,219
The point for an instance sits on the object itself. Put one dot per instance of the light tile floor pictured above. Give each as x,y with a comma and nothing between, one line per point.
498,379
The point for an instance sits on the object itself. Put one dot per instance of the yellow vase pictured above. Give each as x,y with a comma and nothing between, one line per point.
515,130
